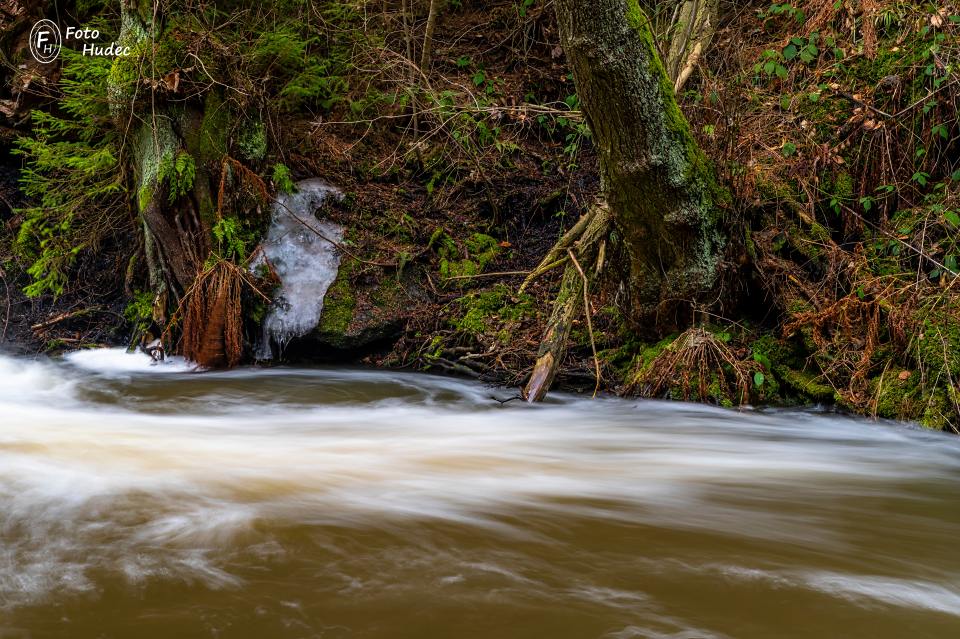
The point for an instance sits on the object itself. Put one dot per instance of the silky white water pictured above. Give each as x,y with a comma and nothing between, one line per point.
302,251
140,500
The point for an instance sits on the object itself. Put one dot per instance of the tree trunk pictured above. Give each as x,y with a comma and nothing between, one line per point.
426,57
659,185
176,226
180,240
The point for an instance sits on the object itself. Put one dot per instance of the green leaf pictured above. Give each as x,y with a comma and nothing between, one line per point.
758,379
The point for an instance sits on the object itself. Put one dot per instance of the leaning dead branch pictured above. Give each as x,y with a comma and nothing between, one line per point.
571,299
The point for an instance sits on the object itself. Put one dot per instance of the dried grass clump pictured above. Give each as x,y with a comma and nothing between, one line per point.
212,315
696,361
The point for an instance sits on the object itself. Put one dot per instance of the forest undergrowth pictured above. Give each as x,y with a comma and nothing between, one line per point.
455,130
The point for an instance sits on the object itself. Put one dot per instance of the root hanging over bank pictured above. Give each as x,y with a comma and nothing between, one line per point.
212,314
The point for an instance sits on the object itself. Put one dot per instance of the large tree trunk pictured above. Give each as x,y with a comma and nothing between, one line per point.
659,185
179,238
176,226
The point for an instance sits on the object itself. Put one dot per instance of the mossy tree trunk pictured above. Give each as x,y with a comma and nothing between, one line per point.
176,148
169,201
664,202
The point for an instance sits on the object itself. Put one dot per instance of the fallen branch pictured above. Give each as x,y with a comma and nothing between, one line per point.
573,289
555,257
62,317
500,274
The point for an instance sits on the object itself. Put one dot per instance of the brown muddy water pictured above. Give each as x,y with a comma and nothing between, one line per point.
145,502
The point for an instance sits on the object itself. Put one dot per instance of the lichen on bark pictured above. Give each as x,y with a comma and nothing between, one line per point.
665,202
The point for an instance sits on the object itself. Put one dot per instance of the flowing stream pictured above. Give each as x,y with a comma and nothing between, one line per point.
150,501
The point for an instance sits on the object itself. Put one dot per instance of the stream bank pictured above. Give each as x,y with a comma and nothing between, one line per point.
838,287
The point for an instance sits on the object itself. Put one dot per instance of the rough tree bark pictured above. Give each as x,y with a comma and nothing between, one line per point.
659,185
177,240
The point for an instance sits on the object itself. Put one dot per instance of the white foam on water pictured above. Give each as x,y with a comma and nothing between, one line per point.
119,360
302,251
24,381
885,590
860,589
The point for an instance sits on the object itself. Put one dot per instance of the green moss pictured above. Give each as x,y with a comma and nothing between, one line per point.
644,355
750,245
687,160
125,70
716,392
340,302
772,189
808,385
488,311
252,142
842,187
152,147
208,141
772,356
938,345
282,180
809,240
909,399
481,250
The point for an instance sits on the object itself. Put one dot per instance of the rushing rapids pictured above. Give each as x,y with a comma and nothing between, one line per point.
150,501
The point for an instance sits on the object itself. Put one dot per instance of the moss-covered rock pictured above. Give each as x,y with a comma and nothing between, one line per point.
361,312
906,395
